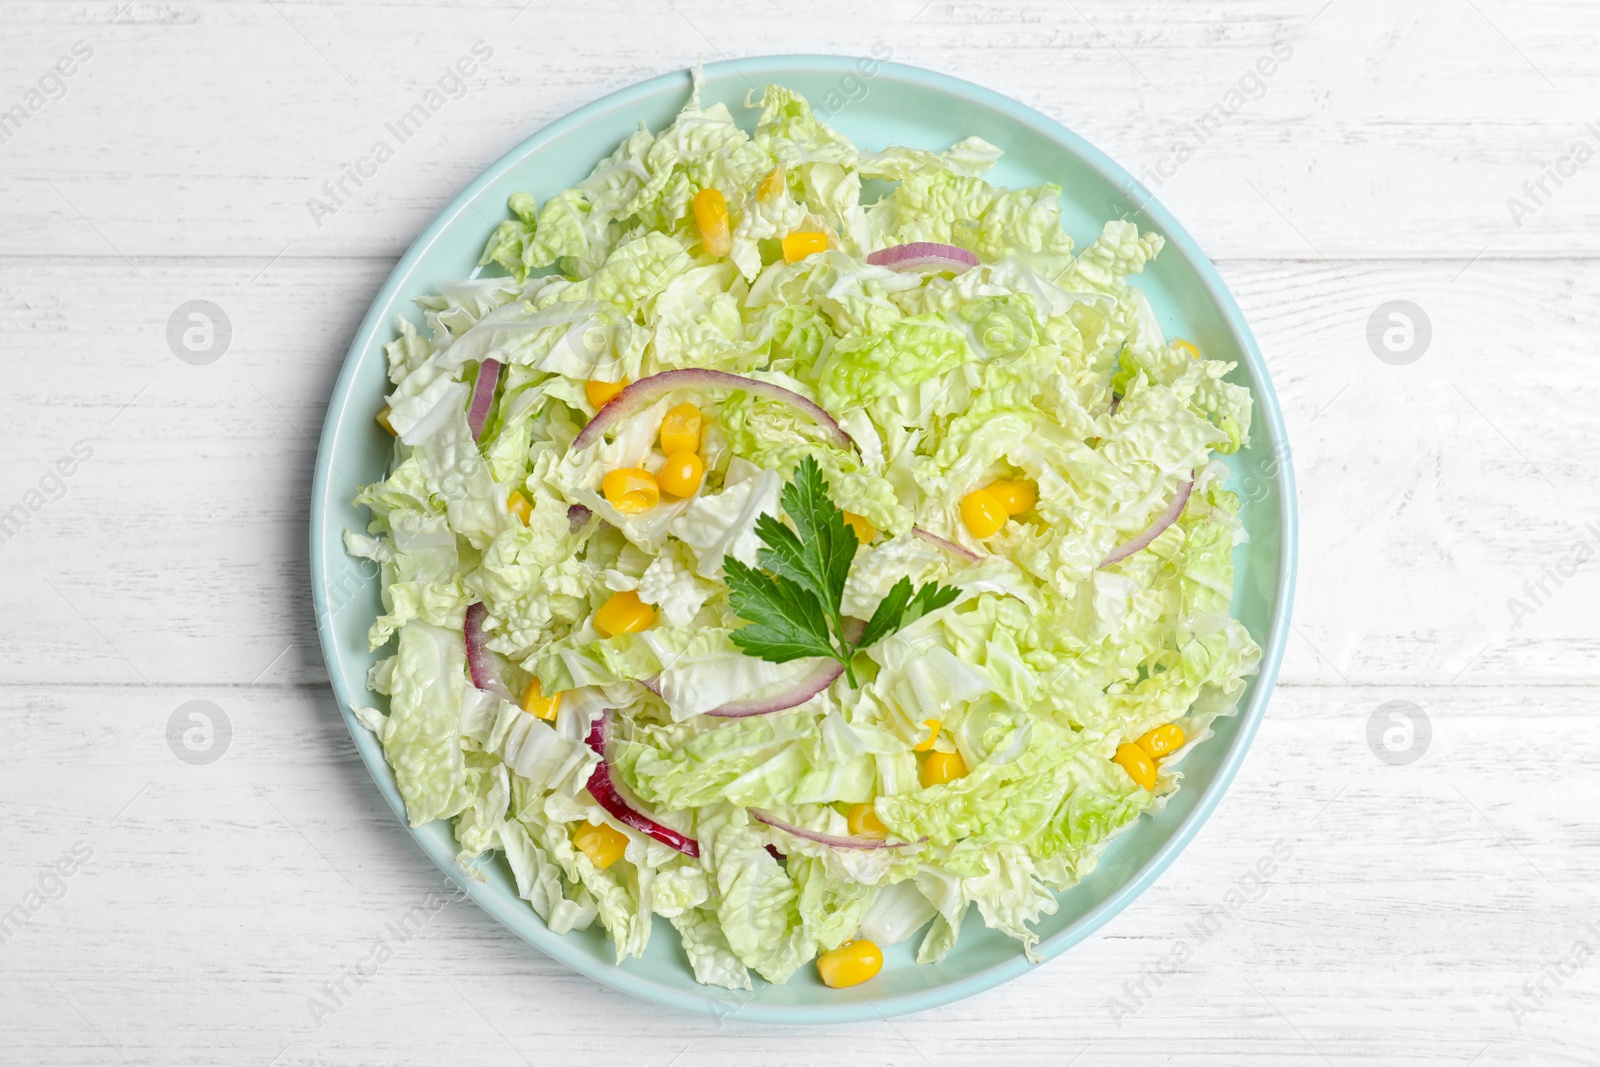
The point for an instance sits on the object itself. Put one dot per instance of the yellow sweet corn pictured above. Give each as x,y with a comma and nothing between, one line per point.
518,505
864,822
865,531
382,419
941,767
1187,347
711,216
680,430
603,845
599,392
983,513
682,473
1136,761
1162,740
926,743
1015,496
535,703
771,184
850,964
631,490
798,246
624,613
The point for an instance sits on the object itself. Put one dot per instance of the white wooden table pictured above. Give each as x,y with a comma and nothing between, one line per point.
1429,912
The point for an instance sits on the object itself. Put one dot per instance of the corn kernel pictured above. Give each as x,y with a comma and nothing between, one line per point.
382,419
681,473
603,845
631,490
1162,740
535,703
680,429
1015,496
624,613
599,393
941,767
983,513
926,743
850,964
518,505
711,216
864,822
798,246
865,531
1136,761
1187,347
771,184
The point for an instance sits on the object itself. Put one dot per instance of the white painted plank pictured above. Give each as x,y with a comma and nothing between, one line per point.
1430,493
1388,132
1413,902
1418,899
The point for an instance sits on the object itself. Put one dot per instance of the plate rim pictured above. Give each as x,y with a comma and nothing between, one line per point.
1268,410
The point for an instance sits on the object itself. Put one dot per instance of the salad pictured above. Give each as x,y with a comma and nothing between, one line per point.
801,544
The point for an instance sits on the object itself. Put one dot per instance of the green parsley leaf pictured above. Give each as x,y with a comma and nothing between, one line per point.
786,621
886,620
900,609
795,610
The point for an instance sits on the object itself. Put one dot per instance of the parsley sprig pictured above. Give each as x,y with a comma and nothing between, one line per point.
793,601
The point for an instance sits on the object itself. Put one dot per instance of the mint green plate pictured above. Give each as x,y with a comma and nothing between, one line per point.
875,104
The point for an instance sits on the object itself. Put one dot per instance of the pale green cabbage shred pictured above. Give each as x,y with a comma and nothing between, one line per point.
1043,666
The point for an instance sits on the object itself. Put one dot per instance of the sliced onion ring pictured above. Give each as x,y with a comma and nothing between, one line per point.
803,690
949,546
606,794
577,516
483,396
1153,531
831,840
924,255
826,674
645,390
480,661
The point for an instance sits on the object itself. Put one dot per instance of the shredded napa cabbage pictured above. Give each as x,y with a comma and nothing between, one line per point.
1041,364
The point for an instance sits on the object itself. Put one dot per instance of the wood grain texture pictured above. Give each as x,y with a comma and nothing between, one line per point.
1412,903
1415,902
205,127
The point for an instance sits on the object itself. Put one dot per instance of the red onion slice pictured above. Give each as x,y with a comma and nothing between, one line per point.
793,697
577,517
1165,519
825,675
831,840
775,854
924,255
949,546
652,683
645,390
480,661
606,794
483,396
